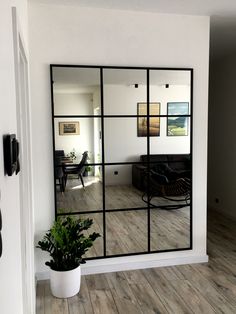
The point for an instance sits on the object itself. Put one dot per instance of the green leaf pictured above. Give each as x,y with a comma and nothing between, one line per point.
66,242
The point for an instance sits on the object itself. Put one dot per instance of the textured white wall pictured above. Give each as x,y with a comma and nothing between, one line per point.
10,262
109,37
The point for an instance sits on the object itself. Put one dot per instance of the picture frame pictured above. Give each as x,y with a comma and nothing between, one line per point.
154,122
178,123
69,128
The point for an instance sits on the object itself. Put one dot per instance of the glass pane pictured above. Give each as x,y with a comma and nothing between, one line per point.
76,91
74,136
123,89
170,229
170,86
169,192
122,141
154,122
71,196
126,232
178,123
169,180
178,126
166,144
97,249
123,186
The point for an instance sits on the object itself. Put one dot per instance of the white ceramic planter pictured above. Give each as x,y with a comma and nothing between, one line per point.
65,284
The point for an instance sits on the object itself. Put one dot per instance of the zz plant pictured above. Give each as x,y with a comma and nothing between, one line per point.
67,243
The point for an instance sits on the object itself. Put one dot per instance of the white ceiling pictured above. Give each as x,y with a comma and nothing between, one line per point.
222,12
196,7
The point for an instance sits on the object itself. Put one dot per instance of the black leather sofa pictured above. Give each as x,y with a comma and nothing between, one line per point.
167,167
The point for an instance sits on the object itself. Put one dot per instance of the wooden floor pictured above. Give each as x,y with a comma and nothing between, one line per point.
199,288
126,231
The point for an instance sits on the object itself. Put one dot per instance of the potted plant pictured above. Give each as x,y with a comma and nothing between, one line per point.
87,170
72,155
66,244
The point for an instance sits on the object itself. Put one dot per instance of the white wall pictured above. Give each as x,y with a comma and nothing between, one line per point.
10,262
109,37
74,104
222,147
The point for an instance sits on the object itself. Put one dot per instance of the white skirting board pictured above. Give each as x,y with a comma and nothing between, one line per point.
131,263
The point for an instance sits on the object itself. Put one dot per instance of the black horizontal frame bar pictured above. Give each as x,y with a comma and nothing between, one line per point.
140,253
122,116
106,164
106,210
141,163
111,210
117,67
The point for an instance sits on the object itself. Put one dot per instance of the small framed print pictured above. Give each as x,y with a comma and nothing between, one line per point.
177,124
69,128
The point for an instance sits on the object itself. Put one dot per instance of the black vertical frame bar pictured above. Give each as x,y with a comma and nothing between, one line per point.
191,158
148,163
103,164
53,138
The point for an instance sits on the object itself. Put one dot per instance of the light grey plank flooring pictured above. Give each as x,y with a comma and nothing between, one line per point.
198,288
126,232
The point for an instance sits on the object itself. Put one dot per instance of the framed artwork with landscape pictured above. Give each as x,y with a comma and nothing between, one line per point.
154,122
69,128
177,124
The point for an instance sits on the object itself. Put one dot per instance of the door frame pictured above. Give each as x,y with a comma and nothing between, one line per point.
23,114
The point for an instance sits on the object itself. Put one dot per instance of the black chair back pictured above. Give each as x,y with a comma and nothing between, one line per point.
83,162
59,153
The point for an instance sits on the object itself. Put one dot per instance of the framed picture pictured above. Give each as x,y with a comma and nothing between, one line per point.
177,125
69,128
154,122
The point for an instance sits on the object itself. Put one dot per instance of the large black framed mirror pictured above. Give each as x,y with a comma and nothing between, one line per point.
122,148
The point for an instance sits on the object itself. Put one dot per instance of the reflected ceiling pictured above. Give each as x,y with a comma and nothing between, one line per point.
87,79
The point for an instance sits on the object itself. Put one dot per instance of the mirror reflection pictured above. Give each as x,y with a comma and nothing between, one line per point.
76,91
97,226
120,188
121,143
123,89
119,157
126,232
170,229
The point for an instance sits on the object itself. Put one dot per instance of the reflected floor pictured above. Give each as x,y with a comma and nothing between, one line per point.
126,231
170,229
77,199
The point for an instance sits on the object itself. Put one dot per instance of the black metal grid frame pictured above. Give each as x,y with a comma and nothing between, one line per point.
103,164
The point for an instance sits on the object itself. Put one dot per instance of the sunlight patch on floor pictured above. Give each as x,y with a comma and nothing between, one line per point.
88,183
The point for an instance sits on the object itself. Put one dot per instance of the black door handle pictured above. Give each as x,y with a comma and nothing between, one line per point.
0,233
0,220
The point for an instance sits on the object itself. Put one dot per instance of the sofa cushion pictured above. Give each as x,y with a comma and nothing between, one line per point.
179,162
